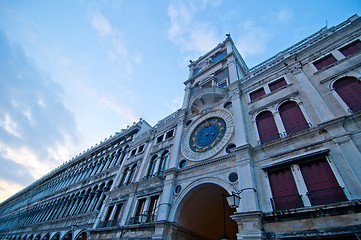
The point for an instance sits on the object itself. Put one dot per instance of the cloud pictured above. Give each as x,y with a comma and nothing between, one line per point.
120,107
34,122
174,104
253,38
114,44
188,32
282,16
101,24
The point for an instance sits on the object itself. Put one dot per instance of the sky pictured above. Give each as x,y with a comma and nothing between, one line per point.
74,72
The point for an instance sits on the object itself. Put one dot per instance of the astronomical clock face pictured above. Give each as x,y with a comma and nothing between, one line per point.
208,135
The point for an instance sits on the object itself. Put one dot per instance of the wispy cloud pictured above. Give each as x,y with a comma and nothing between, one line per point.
114,43
253,38
174,104
187,31
33,119
120,107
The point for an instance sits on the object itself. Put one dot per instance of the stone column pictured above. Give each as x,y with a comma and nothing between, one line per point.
352,157
186,95
239,121
248,215
144,162
166,198
323,111
174,153
95,200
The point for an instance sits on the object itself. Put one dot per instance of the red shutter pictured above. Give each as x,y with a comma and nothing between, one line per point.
321,183
324,62
278,84
267,128
256,94
292,117
351,48
349,89
284,190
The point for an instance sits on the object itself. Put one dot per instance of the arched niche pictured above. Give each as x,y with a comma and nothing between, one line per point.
204,210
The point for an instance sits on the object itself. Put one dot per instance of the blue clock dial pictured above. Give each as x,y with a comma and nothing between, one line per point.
207,134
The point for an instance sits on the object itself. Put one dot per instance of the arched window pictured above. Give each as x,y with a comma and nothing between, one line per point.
267,128
163,162
125,173
152,164
349,89
131,174
292,117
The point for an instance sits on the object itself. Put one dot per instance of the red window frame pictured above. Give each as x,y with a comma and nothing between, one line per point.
267,128
325,61
321,183
292,117
351,48
257,94
349,89
284,189
277,84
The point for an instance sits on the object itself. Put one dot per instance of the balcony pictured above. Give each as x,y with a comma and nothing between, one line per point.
206,97
111,223
287,202
326,196
142,219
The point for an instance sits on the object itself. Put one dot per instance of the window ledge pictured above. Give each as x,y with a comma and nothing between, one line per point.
352,206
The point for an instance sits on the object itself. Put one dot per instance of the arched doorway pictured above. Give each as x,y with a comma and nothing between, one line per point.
204,210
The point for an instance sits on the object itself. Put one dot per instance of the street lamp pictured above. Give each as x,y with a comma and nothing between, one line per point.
234,199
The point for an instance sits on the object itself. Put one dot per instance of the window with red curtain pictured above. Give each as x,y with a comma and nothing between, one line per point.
284,190
267,128
324,62
351,48
292,117
278,84
256,94
321,183
349,89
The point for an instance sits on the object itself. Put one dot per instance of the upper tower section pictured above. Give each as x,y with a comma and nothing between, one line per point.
210,75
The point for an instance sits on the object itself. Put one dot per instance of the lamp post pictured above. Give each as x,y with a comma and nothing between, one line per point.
234,199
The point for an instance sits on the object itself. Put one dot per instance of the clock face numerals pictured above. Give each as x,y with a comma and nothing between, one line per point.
208,135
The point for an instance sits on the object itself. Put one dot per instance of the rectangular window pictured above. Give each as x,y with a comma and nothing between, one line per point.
351,48
110,210
141,148
277,84
117,212
133,152
169,134
221,75
256,94
140,207
152,208
321,183
196,70
324,62
284,190
219,56
160,138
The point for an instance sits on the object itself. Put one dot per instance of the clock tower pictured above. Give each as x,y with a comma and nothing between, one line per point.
211,90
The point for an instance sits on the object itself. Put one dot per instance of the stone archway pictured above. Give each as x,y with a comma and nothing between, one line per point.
201,212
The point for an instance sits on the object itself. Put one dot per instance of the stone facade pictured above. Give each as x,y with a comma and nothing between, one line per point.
283,136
